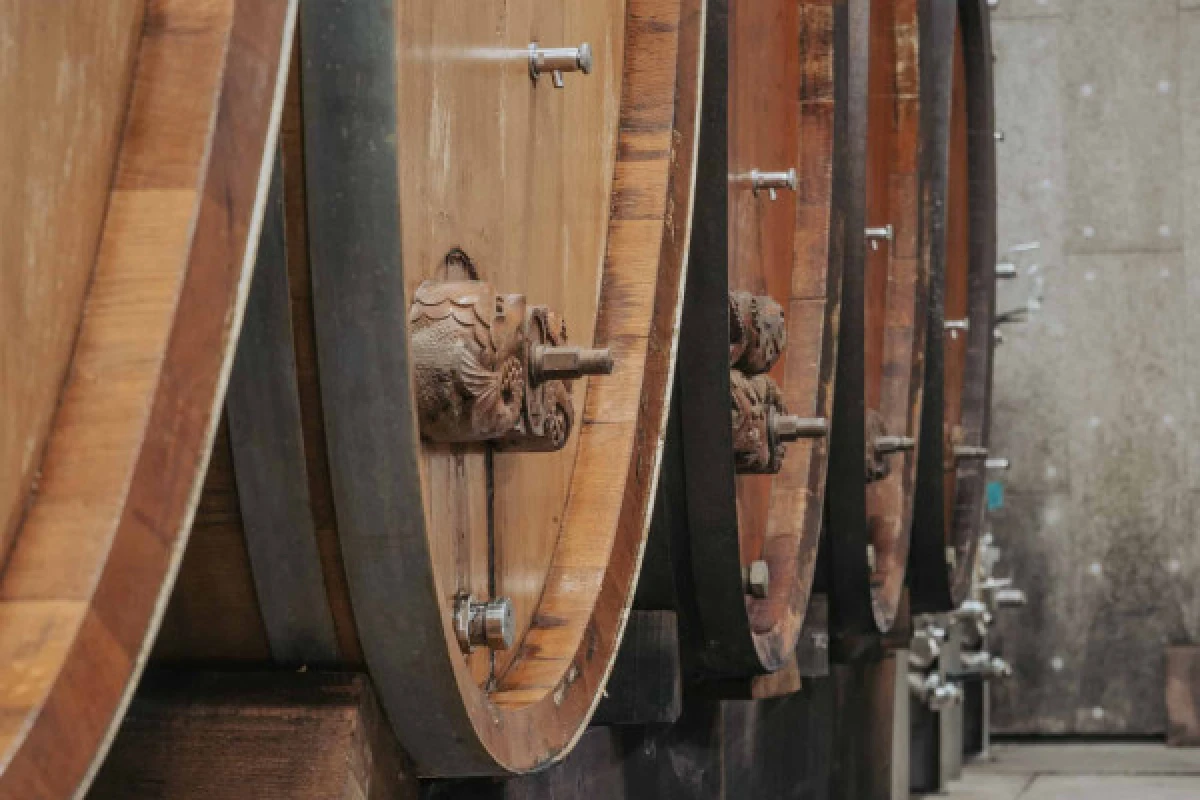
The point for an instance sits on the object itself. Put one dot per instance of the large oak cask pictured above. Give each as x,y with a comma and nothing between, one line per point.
446,417
136,150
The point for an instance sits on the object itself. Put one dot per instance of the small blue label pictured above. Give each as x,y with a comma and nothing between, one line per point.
995,495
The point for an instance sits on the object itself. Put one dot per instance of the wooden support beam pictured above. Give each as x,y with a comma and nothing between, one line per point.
269,736
646,685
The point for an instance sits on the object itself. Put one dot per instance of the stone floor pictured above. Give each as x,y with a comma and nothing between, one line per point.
1082,772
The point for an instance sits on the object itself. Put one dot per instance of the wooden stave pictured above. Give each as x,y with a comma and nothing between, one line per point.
859,607
190,176
936,586
463,750
698,507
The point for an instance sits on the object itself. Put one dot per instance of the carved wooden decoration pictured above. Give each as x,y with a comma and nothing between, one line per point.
756,402
757,332
490,367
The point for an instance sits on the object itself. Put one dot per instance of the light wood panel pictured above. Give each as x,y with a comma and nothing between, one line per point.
64,78
517,176
86,580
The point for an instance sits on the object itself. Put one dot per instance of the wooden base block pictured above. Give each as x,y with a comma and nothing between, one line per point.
1183,696
646,684
267,736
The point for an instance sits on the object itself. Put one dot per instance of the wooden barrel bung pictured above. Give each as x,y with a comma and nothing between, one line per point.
136,147
741,495
880,357
475,396
952,476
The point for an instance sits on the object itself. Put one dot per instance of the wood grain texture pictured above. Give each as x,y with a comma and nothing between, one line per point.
646,685
409,522
901,308
271,737
770,104
960,174
64,78
881,352
96,554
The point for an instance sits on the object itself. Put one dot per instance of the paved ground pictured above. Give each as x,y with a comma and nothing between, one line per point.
1082,772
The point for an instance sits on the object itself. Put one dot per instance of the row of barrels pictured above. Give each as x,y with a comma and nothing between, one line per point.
550,313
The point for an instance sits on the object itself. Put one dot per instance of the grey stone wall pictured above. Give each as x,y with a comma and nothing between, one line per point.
1095,397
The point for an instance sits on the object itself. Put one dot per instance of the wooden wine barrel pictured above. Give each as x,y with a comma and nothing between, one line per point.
961,164
877,406
418,475
136,146
738,516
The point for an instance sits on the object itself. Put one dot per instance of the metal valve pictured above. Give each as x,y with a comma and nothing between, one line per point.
876,234
756,579
887,445
1006,270
791,428
984,665
1009,598
934,693
772,181
489,624
880,445
925,649
557,60
957,325
550,363
966,451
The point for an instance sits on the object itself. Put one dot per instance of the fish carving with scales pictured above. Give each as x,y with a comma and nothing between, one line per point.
492,368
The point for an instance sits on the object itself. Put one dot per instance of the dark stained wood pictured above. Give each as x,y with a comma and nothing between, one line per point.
883,320
864,723
292,736
1183,695
646,684
766,107
960,176
86,581
268,457
780,747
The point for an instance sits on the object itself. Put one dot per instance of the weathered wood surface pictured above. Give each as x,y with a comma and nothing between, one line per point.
646,683
771,108
67,75
291,736
560,534
880,359
85,583
959,168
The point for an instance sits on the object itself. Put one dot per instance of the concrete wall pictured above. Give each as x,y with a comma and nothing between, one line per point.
1095,398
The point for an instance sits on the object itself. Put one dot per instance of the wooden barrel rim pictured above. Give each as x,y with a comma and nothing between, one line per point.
87,577
880,350
961,87
445,720
743,635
